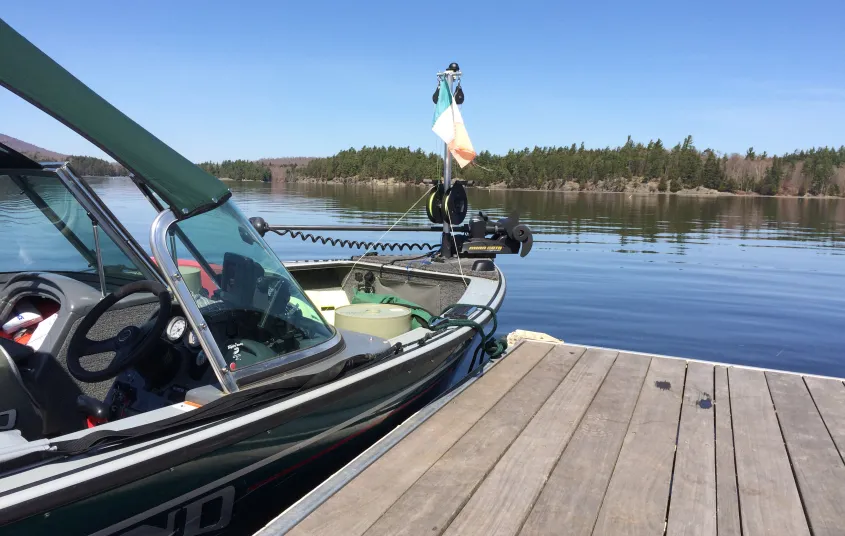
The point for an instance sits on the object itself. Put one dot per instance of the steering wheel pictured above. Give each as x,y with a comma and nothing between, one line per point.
129,345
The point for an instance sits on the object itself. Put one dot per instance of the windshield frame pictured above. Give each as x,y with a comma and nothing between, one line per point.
230,381
96,209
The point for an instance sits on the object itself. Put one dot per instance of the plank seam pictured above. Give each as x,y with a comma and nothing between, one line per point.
464,502
621,445
733,441
459,438
821,415
716,450
789,457
551,348
675,454
557,461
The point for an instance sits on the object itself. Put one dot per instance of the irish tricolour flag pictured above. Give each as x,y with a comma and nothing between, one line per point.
449,125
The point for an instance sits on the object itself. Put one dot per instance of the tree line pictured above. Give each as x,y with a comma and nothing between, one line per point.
818,171
85,166
91,166
238,170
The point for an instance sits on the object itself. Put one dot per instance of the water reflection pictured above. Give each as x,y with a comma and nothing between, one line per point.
633,218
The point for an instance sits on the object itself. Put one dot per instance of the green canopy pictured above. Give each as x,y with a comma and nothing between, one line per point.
31,74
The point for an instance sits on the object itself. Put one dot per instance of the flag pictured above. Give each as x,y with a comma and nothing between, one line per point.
449,126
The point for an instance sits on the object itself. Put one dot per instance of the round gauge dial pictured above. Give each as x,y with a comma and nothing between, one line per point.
193,340
176,328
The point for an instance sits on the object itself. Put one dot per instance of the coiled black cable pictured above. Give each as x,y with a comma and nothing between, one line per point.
354,243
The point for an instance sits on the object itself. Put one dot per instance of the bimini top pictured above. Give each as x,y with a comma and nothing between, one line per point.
32,75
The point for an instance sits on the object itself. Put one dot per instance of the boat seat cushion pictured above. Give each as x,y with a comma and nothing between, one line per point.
327,301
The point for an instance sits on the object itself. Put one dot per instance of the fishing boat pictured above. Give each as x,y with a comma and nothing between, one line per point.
176,389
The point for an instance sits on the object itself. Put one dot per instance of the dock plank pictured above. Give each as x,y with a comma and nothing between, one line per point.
727,496
570,501
768,495
692,508
638,493
815,459
360,503
435,499
829,396
503,500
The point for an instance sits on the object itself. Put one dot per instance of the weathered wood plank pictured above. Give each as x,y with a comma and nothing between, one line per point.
505,497
570,501
638,492
829,396
360,503
768,495
692,509
727,497
435,499
815,459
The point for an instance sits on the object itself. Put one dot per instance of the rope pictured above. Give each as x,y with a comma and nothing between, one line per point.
375,244
354,243
490,345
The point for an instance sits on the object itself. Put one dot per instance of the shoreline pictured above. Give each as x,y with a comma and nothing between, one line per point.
697,192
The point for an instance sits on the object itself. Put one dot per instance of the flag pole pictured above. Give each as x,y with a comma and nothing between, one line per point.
451,73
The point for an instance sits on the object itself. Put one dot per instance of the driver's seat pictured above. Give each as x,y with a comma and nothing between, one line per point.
18,409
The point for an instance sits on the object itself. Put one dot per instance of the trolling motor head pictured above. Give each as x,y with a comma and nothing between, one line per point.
508,236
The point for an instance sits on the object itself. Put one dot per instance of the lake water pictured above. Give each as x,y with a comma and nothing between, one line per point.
754,281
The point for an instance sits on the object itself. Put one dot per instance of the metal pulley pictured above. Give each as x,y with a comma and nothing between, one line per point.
459,95
447,207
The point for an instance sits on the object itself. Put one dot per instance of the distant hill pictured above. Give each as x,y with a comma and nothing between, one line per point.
285,169
281,169
89,166
33,151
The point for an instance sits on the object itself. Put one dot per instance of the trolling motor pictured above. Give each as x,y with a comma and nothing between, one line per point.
506,236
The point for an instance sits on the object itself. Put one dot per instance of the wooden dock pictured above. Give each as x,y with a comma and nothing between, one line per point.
562,439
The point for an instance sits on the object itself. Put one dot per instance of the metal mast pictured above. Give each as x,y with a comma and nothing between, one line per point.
452,74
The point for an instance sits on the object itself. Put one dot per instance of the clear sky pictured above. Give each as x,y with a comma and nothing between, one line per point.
256,79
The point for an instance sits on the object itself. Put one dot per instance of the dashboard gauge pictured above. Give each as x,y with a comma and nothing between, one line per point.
201,359
192,339
176,328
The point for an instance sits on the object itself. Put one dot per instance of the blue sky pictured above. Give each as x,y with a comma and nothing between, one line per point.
249,79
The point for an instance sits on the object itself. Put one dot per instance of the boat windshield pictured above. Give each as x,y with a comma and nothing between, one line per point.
46,229
254,308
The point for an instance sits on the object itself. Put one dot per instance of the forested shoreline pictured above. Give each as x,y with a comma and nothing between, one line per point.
630,167
86,166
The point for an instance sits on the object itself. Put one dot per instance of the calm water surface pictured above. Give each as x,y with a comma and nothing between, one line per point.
742,280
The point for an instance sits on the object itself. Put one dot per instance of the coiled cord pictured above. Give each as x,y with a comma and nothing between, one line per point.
354,243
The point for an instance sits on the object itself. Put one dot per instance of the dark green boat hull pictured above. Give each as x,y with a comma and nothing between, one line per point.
235,485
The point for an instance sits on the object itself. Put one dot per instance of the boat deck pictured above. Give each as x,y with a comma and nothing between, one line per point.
563,439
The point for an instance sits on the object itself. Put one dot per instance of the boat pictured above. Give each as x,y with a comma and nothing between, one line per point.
188,387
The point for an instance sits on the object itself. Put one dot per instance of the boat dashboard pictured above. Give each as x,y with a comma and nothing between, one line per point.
176,365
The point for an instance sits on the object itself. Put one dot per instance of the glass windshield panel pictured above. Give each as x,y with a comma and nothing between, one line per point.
253,307
46,229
